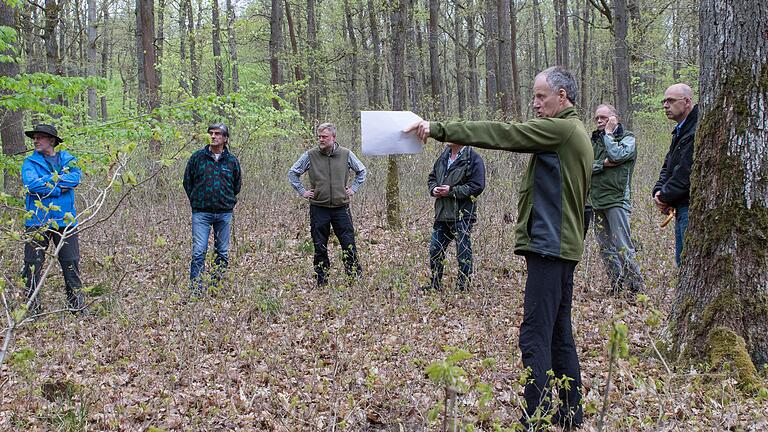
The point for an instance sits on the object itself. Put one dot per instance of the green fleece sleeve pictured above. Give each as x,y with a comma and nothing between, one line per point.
544,134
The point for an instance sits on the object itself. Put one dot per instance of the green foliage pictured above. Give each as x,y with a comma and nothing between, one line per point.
446,372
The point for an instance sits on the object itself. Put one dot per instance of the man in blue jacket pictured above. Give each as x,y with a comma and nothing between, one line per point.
50,178
212,181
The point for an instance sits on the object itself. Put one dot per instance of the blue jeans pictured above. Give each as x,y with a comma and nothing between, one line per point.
681,224
201,229
442,234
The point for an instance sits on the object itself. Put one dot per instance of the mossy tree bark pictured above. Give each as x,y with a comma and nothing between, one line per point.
398,19
720,311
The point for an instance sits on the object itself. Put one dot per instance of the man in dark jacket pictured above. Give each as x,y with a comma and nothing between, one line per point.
212,181
549,233
610,192
456,180
50,178
672,190
329,195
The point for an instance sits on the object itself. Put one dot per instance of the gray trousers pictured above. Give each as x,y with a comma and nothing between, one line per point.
616,248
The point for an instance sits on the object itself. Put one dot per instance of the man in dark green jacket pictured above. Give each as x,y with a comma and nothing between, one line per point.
615,155
456,180
212,181
549,231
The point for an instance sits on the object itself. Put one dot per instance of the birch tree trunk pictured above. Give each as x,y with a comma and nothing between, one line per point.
719,314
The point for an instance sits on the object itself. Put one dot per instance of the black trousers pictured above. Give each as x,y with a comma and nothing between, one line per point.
69,260
321,219
546,339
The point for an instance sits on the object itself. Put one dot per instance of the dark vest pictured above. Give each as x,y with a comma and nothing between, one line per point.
328,176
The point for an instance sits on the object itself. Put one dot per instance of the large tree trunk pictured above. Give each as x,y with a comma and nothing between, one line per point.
218,67
234,72
275,42
11,122
152,101
397,21
719,314
621,62
438,104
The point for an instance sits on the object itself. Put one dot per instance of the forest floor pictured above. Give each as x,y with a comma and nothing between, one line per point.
270,351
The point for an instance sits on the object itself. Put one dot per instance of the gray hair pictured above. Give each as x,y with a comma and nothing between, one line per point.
558,78
610,107
330,127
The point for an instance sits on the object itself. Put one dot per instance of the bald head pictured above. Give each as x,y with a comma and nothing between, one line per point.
678,102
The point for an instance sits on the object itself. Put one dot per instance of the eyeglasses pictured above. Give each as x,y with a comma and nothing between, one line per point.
671,100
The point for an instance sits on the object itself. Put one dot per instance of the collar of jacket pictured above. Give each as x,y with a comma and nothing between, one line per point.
617,133
689,124
332,152
463,154
567,113
210,153
38,158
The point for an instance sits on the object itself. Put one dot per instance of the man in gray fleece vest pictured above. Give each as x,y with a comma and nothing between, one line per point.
329,195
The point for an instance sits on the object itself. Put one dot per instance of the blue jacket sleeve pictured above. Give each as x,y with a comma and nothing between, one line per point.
36,183
70,178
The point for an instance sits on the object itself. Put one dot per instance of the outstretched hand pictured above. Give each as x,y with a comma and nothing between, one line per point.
422,130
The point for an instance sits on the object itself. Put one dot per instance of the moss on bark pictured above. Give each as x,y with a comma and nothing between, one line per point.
727,348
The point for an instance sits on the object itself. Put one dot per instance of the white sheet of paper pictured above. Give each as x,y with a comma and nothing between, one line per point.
382,132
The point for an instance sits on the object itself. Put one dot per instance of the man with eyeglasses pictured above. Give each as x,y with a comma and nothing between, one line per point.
672,190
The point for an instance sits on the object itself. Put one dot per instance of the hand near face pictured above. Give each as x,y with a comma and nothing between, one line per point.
610,127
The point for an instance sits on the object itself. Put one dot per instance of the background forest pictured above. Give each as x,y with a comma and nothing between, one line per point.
132,87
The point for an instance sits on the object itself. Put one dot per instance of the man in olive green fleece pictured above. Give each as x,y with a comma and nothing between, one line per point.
549,231
615,155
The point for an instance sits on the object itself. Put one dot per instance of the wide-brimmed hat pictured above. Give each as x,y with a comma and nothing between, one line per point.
46,129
